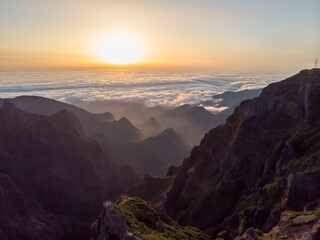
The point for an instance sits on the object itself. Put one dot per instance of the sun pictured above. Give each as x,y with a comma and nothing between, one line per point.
120,49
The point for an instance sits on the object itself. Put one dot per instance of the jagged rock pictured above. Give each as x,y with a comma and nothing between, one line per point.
135,219
241,168
111,225
292,225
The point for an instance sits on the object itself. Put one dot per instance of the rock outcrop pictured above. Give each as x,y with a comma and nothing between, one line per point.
292,225
135,219
264,160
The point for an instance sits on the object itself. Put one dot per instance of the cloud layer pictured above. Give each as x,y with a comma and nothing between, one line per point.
152,87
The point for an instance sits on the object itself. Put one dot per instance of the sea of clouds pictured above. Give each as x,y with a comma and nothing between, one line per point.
151,87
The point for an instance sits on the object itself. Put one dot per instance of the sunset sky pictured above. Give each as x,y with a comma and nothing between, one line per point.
247,34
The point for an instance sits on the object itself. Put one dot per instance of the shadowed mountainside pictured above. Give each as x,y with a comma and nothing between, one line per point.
120,139
49,159
24,218
93,124
262,161
152,155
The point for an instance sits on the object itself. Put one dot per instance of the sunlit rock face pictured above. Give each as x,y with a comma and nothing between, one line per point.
248,170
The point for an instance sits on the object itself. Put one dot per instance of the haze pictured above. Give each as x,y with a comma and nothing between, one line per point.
174,34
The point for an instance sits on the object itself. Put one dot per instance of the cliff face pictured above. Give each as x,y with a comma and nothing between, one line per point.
51,163
263,160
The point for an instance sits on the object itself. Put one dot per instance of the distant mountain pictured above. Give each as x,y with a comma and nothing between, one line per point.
46,106
56,169
151,127
152,155
120,131
189,121
231,100
124,143
263,161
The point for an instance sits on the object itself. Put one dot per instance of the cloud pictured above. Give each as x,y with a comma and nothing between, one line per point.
214,109
151,87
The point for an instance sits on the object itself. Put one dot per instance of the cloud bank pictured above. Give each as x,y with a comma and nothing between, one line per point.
151,87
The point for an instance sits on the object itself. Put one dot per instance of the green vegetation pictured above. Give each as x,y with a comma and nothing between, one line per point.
144,221
290,222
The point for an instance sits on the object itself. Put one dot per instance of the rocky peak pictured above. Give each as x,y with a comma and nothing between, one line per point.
247,170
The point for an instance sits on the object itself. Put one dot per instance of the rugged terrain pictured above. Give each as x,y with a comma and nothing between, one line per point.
50,170
264,160
150,149
257,176
134,219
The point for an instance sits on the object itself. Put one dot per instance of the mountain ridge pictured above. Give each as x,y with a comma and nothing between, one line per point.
217,186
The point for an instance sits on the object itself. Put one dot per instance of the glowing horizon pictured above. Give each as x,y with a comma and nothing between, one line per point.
160,34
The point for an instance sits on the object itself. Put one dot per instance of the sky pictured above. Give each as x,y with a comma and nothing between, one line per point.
246,34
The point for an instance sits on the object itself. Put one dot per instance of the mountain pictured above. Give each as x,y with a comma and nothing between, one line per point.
151,127
152,189
57,170
93,124
134,218
231,100
189,121
46,106
152,155
121,131
23,218
124,143
263,161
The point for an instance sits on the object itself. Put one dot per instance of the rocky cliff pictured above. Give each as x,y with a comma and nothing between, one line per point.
264,160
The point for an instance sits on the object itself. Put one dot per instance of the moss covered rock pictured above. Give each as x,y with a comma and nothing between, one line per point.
134,218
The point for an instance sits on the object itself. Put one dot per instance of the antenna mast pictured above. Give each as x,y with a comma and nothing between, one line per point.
316,63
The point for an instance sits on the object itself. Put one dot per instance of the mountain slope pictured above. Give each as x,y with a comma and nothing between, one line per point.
23,218
152,155
263,160
120,139
51,161
93,124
